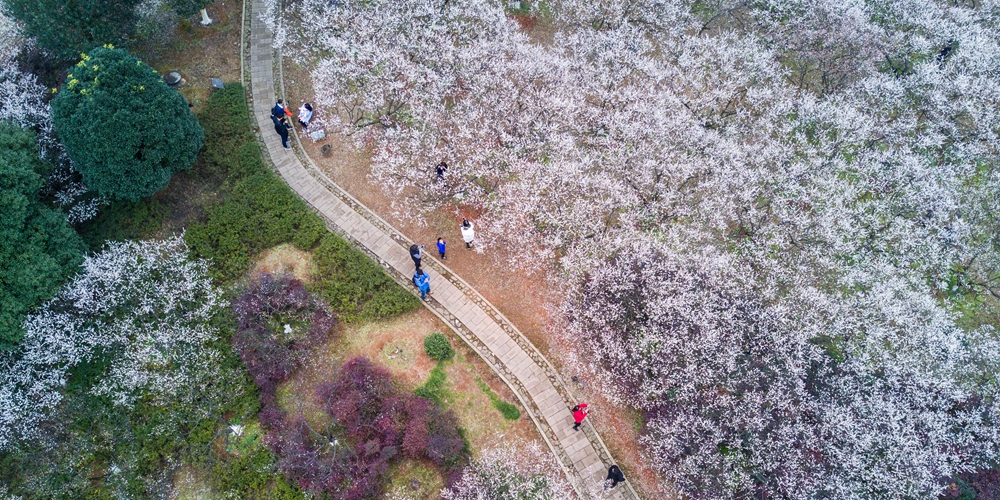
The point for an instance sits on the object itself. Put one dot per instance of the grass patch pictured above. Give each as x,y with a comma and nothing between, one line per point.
433,389
417,480
508,410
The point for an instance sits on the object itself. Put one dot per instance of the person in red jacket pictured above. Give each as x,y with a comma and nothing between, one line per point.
579,413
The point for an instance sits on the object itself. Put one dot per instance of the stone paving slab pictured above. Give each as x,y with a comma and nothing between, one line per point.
534,381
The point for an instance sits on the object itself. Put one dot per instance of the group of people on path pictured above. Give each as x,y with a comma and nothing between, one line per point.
420,278
280,115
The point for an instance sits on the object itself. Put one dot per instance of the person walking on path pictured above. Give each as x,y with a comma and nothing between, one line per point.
615,476
579,413
440,169
416,253
468,233
441,248
281,127
422,282
305,114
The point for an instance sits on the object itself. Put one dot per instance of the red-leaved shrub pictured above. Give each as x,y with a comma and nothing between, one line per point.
379,421
270,351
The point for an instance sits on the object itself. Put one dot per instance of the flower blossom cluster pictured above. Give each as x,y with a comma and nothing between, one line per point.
22,101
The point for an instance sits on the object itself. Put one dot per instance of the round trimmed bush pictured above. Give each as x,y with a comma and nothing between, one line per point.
436,346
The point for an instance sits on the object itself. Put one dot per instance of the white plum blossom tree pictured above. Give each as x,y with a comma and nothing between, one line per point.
142,308
747,391
776,221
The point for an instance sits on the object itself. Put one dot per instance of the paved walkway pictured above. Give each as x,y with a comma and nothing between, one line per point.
545,399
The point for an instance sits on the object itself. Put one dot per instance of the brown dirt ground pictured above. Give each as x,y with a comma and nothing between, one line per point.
286,259
202,53
527,300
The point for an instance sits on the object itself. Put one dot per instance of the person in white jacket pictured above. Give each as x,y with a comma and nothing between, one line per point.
468,233
305,114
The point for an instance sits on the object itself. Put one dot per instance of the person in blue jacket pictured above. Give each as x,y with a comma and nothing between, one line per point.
423,282
441,248
278,111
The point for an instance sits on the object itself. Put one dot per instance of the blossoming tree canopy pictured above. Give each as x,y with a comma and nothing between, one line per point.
784,394
777,222
509,470
125,130
141,307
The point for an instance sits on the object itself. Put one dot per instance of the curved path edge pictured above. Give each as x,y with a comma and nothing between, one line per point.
539,388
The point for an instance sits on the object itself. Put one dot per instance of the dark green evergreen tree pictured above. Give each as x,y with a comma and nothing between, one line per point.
39,250
125,130
70,27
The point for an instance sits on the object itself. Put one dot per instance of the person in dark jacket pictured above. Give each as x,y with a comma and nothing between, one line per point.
278,110
440,169
416,253
615,476
281,126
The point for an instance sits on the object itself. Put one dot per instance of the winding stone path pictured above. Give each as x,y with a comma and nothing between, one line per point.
539,388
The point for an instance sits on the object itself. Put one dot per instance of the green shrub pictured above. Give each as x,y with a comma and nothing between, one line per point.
259,210
244,475
355,286
436,346
260,213
434,389
509,411
39,250
248,470
229,140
